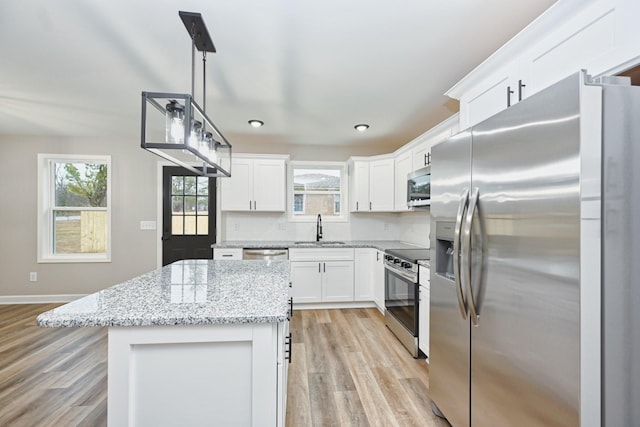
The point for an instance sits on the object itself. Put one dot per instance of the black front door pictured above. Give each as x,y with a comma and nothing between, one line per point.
188,215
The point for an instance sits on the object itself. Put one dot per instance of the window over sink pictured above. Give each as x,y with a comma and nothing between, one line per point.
317,188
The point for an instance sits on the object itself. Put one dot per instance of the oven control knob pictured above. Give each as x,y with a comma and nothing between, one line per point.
396,260
388,257
405,264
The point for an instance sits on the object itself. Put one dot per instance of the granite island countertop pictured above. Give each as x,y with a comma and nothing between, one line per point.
189,292
272,244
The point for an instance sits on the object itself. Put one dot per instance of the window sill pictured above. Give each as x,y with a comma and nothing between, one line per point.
71,259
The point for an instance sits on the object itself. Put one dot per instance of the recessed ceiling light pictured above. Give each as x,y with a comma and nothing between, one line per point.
256,123
361,127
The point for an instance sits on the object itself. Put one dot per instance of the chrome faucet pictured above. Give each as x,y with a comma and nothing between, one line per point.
319,228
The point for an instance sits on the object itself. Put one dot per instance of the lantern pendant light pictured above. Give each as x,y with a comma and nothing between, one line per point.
188,135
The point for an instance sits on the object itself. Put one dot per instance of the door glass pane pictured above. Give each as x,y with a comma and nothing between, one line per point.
189,205
177,224
203,225
177,206
189,225
203,186
177,185
190,185
203,205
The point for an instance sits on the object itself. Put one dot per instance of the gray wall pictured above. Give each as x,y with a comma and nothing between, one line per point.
133,198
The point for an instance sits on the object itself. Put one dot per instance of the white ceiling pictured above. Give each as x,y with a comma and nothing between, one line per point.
310,69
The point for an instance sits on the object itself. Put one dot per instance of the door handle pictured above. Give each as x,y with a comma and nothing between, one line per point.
509,93
462,207
474,313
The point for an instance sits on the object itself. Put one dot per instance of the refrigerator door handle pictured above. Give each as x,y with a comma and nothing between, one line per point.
462,208
474,313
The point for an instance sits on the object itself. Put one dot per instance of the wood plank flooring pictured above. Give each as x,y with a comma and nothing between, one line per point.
347,370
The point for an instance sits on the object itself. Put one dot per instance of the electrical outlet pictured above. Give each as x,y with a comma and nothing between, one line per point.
33,276
236,227
282,226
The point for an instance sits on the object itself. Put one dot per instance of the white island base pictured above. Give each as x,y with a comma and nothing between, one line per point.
198,375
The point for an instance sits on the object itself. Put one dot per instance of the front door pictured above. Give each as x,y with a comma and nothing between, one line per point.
188,215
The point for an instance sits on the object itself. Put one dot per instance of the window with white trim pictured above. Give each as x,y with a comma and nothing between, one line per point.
74,208
317,188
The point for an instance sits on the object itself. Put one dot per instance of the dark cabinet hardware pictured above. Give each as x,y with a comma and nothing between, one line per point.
509,93
324,267
520,86
369,205
427,159
289,347
290,313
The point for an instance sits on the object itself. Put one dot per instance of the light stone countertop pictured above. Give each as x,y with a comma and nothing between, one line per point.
190,292
381,245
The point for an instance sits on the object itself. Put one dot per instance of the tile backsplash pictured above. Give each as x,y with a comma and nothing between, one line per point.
411,227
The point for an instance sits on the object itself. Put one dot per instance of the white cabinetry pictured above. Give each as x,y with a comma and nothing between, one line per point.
364,269
403,166
225,374
256,184
322,275
378,280
599,36
424,310
371,185
227,253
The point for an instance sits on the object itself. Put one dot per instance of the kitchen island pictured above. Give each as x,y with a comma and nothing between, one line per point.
197,342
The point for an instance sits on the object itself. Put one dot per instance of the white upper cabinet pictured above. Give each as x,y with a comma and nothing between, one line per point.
256,184
599,36
381,185
359,186
403,166
371,184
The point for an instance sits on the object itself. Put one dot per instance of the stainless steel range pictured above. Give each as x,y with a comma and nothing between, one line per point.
401,294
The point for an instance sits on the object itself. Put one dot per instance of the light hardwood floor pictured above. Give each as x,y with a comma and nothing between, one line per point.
347,370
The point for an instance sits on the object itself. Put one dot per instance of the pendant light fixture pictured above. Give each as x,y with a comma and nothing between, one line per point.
177,129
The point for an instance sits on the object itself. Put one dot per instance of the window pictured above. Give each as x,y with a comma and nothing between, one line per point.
74,208
317,188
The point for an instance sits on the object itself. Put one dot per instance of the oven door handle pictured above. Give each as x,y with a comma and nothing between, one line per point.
401,273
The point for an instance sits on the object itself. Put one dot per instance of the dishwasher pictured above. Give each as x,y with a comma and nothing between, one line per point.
266,254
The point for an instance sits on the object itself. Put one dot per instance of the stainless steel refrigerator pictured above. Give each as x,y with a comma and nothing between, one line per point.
535,231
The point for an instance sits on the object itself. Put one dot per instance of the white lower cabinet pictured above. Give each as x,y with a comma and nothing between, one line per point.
322,275
192,375
378,281
364,265
424,310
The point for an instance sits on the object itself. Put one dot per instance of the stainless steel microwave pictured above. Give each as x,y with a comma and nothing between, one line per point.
419,187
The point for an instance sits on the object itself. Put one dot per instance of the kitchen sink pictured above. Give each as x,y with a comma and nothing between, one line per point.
320,243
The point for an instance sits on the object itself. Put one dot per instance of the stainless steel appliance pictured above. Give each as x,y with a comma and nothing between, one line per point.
265,253
401,294
419,187
534,278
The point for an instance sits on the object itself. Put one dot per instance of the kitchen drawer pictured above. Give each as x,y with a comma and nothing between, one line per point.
227,253
321,254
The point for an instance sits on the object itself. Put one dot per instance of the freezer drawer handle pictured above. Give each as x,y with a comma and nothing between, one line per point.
466,251
462,207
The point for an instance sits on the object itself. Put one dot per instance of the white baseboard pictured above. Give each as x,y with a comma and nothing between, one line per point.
332,305
38,299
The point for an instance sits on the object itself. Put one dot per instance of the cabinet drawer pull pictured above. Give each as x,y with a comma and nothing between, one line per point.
290,313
